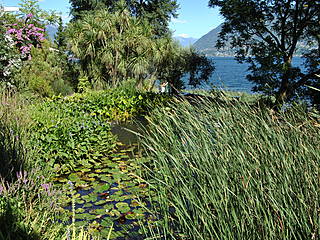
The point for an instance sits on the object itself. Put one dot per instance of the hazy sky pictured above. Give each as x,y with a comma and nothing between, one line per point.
195,18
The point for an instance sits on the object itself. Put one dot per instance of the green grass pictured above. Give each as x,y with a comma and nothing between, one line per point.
235,172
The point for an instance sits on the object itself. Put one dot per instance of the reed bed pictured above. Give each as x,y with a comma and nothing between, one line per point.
234,172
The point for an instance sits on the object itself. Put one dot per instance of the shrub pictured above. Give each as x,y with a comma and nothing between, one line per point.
46,73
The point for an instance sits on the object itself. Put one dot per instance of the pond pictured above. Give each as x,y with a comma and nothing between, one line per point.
109,193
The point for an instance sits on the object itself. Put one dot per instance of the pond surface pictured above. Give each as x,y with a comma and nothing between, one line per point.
108,193
127,132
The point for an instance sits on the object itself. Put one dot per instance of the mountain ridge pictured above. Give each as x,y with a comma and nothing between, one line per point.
185,41
206,44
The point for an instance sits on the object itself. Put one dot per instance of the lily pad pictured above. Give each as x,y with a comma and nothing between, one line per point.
106,223
114,213
101,202
89,198
102,188
123,207
80,210
92,175
79,201
85,216
98,211
87,205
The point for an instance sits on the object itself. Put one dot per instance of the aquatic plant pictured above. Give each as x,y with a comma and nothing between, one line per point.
234,172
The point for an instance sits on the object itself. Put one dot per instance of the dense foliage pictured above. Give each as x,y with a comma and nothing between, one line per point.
9,58
226,170
267,35
47,73
75,130
25,35
114,47
157,13
41,140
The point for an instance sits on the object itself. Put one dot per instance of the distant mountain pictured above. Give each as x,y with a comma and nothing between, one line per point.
51,31
206,44
185,41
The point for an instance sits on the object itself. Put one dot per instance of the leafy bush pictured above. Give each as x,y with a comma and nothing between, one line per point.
68,136
234,172
46,73
9,56
76,129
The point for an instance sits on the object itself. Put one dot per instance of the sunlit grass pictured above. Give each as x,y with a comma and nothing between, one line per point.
234,172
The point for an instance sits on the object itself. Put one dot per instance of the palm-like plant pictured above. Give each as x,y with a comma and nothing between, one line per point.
112,47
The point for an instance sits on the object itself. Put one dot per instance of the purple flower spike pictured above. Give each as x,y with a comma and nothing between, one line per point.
30,15
45,186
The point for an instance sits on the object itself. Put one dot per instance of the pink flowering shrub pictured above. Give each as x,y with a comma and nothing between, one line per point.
25,35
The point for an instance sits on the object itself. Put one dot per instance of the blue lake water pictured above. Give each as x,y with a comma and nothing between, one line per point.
231,75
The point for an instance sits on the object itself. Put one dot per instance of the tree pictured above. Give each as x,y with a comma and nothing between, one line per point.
115,47
112,47
60,36
40,17
46,73
157,12
177,62
266,34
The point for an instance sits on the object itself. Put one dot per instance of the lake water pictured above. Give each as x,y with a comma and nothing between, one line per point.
230,75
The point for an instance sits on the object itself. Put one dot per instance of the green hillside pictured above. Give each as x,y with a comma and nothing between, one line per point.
206,44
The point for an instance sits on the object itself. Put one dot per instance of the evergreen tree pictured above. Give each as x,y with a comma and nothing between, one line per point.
60,38
157,12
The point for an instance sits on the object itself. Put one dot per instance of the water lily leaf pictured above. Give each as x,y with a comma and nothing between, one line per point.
105,170
79,201
123,207
87,205
106,223
102,188
92,175
139,211
89,198
81,184
106,179
88,179
131,216
108,207
114,213
101,202
79,210
85,216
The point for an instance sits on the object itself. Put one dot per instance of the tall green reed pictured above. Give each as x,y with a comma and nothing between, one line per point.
234,172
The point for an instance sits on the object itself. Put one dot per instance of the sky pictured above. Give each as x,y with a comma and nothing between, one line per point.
195,17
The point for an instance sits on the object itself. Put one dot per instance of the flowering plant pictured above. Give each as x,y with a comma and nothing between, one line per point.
25,35
10,61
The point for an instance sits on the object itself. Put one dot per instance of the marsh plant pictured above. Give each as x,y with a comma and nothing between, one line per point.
234,172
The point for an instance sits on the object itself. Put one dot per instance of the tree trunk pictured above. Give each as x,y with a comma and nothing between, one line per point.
285,91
